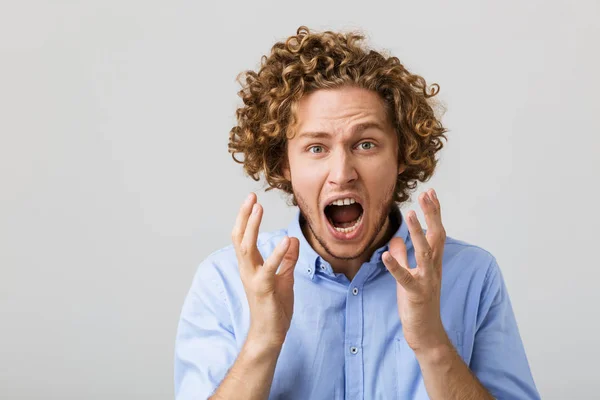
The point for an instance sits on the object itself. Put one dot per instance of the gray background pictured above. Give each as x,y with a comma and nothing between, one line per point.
116,182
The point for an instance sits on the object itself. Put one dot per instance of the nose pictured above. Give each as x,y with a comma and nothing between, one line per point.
342,169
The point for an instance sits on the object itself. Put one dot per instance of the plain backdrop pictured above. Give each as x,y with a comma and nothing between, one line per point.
116,182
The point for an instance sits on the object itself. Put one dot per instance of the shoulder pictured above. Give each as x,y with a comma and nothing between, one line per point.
471,271
464,258
455,247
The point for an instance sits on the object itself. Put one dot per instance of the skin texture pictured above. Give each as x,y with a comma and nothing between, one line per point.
343,159
343,164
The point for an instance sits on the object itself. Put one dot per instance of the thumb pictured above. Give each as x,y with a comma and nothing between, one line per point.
290,258
398,251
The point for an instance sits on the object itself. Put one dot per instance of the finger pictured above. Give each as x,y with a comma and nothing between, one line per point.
290,258
242,219
398,250
275,259
423,252
400,273
435,229
248,245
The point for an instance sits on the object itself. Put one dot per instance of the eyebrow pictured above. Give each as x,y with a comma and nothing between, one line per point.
356,129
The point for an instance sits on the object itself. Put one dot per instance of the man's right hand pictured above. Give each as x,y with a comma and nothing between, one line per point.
271,299
270,294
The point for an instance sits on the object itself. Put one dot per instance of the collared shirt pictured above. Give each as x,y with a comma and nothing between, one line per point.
345,340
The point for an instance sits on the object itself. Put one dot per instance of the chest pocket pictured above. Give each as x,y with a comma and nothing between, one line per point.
409,382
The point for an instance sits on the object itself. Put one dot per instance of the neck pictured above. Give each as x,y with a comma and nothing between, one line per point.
351,267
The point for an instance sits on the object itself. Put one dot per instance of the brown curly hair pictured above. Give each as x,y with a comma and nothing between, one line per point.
310,61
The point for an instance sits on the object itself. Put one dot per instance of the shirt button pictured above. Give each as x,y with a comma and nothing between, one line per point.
355,291
308,270
353,350
322,267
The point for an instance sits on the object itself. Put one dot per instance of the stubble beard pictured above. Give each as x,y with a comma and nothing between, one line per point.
385,208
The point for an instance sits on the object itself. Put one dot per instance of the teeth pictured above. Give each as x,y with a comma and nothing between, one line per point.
350,228
343,202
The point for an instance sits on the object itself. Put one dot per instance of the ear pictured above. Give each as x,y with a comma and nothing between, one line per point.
286,173
286,170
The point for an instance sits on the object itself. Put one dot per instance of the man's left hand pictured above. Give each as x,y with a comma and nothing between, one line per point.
418,289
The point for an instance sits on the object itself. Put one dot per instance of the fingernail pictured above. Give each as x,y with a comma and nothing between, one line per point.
412,217
387,256
255,208
427,199
434,194
248,198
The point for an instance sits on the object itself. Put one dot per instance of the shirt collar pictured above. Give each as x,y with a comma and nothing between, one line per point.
309,259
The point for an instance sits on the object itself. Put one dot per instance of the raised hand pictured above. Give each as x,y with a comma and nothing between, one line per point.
270,294
418,289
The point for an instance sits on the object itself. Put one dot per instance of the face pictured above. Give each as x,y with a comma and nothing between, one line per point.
343,165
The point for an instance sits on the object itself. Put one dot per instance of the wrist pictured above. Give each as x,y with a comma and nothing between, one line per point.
260,348
266,336
441,354
434,347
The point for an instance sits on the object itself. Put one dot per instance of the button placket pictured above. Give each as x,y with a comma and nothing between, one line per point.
354,335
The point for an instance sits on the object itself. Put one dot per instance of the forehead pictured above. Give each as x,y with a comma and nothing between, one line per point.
340,108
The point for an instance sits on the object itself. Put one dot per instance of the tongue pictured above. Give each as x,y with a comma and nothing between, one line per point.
342,214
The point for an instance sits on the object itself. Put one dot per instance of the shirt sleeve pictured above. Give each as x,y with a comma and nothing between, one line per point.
205,345
499,360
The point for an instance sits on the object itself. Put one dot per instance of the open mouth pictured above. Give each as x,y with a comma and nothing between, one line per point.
344,215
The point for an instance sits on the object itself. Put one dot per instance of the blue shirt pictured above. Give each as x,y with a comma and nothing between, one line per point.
345,340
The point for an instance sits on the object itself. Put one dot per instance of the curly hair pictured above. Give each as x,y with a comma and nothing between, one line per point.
311,61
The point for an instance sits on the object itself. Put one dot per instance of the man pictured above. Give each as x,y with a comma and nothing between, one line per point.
354,300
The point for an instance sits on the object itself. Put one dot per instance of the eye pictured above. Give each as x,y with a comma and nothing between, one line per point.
315,149
366,145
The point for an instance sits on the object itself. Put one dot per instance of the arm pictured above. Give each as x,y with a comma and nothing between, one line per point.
206,346
446,376
251,374
418,289
498,363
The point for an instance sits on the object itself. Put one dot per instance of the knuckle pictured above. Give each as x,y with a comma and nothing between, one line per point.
426,255
438,235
